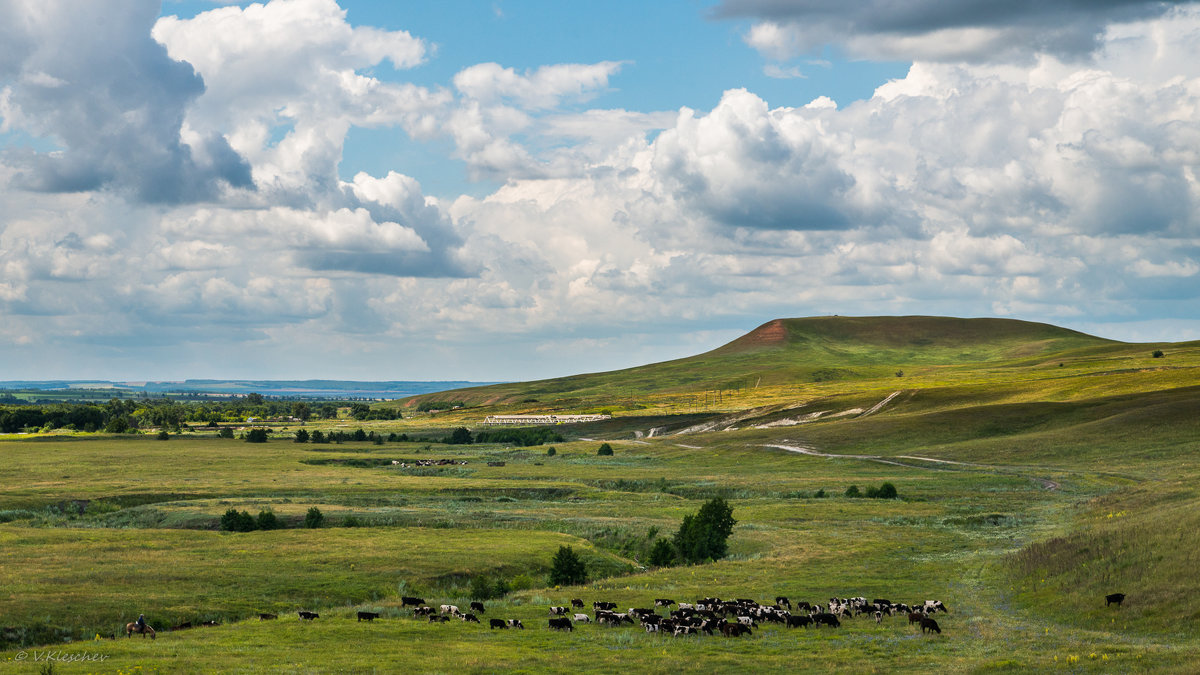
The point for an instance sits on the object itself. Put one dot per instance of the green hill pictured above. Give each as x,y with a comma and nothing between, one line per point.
792,352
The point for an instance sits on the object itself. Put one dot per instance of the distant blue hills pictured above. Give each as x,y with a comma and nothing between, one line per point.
288,388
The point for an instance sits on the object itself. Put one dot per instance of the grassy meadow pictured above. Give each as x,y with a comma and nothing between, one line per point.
1067,472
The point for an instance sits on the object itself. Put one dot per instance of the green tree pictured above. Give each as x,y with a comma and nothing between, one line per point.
460,436
329,411
704,536
318,437
116,425
605,449
300,411
1157,354
887,491
663,554
314,518
225,432
258,435
163,435
301,436
853,491
237,521
567,568
254,399
359,435
482,588
267,520
550,452
360,411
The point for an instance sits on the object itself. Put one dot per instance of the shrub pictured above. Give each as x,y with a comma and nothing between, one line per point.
301,436
237,521
256,436
225,432
663,554
460,436
605,449
567,568
853,491
163,435
887,491
820,494
267,520
318,437
482,588
704,536
550,452
351,521
314,518
1157,354
359,435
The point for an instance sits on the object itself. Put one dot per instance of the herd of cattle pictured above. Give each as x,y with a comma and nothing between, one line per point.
731,618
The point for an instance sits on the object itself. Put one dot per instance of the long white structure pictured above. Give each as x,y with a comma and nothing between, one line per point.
543,419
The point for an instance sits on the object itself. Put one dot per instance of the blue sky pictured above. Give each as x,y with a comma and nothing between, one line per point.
509,190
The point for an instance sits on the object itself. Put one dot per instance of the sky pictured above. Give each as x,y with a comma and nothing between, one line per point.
510,190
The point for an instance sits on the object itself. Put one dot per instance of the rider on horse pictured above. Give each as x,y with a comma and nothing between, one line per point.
141,623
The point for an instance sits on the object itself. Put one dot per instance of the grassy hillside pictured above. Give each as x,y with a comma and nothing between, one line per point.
798,352
1038,470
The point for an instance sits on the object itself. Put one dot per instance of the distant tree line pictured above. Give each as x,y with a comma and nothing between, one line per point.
523,437
119,416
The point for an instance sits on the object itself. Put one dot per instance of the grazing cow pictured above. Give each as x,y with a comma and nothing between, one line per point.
423,611
783,601
827,619
405,601
576,602
477,607
469,618
309,615
183,626
497,623
878,601
915,617
368,616
438,618
803,604
558,611
604,605
878,616
928,624
735,630
1114,599
450,609
799,621
210,623
562,623
266,617
582,618
663,602
515,623
932,606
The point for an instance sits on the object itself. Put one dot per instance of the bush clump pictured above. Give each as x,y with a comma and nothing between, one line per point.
605,449
314,518
237,521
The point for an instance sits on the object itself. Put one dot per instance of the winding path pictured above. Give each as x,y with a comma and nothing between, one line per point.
1046,483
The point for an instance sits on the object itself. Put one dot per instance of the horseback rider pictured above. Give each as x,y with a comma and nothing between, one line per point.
141,623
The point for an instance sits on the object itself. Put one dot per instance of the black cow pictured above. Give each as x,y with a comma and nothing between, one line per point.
266,617
576,602
477,607
438,618
735,630
783,601
799,621
1114,599
309,615
497,623
515,623
405,601
827,619
928,624
562,623
368,616
183,626
470,617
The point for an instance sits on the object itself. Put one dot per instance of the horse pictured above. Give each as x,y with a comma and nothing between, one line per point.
132,627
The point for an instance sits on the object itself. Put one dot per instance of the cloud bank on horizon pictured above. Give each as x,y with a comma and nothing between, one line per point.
177,200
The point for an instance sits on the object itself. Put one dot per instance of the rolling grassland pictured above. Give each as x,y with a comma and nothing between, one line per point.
1038,470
